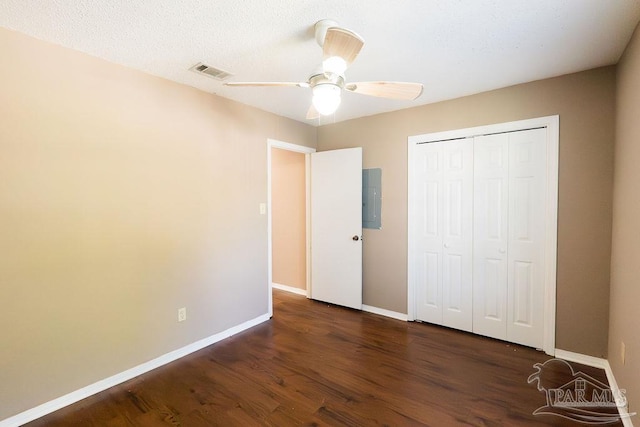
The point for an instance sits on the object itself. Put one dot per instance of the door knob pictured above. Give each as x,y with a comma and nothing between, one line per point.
446,245
501,250
355,238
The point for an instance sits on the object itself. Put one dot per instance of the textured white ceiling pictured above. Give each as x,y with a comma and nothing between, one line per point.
453,47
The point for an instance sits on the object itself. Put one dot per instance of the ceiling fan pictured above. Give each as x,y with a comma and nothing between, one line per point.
340,48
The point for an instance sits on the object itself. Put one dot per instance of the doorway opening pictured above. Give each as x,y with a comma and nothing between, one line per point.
288,202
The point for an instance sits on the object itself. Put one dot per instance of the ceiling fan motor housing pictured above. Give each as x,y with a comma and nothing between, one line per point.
322,78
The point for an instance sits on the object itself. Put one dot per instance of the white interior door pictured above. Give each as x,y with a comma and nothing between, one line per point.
490,235
336,227
428,251
526,261
457,241
509,236
444,204
514,221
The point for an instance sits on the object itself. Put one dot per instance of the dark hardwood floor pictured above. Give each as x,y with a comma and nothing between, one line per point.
316,364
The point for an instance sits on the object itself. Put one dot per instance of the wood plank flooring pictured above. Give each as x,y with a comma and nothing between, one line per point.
315,364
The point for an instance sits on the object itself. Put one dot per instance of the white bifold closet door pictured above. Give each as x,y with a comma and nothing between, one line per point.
480,215
509,236
444,265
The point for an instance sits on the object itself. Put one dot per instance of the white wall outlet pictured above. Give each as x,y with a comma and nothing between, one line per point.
182,314
263,208
623,351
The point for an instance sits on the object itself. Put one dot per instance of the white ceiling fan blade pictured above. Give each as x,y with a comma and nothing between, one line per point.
342,43
265,84
392,90
312,113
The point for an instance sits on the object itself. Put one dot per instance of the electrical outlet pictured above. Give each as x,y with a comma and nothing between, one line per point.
623,350
182,314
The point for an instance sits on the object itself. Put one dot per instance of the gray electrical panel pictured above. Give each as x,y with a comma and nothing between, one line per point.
371,198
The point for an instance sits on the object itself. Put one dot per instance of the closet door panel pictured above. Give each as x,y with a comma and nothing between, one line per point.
457,243
527,207
490,235
429,166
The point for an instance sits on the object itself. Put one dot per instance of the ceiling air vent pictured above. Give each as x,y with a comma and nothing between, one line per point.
207,70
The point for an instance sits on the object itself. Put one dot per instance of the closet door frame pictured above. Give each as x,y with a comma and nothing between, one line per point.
552,124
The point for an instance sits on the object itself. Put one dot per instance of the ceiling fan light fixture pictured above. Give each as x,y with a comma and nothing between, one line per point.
326,98
334,65
340,47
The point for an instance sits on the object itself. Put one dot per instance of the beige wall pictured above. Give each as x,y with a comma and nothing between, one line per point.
625,255
585,103
122,198
288,218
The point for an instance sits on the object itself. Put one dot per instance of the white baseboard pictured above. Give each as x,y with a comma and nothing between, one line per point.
367,308
613,384
570,356
75,396
383,312
598,362
289,289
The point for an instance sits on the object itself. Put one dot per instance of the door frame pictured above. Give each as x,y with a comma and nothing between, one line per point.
274,143
552,123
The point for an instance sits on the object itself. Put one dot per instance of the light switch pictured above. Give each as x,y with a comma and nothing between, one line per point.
263,208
